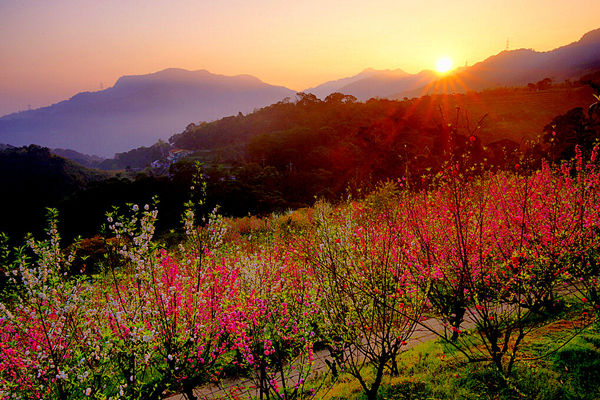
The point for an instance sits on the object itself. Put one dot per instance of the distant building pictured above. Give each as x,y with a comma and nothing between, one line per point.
157,164
177,154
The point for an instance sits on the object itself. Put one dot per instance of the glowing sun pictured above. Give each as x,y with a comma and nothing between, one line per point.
444,64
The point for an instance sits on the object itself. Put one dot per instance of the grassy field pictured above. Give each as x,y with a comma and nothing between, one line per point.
434,370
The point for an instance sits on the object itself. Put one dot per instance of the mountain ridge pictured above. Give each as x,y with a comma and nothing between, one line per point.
568,61
140,109
151,106
520,67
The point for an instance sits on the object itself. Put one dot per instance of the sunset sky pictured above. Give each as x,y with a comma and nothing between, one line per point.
50,50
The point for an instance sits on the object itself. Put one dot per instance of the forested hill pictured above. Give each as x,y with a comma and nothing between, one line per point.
343,124
338,113
286,155
311,147
32,178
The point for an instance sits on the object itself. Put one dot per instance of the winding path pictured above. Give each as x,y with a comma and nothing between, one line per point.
423,333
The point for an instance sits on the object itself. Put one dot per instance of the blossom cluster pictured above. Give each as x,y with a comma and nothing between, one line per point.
357,280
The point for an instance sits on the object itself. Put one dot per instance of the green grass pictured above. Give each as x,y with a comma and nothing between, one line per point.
433,370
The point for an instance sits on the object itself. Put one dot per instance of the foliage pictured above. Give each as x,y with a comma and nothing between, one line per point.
432,370
491,257
371,300
287,155
137,158
33,179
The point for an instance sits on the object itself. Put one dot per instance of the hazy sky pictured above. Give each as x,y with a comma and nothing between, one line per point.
50,50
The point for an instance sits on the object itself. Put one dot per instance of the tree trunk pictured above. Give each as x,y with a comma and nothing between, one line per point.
394,370
456,322
188,390
372,392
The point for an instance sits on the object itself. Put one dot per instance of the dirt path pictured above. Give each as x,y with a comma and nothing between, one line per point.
423,333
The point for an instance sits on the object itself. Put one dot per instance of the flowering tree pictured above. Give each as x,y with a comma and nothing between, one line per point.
170,313
582,255
494,250
371,300
274,331
42,329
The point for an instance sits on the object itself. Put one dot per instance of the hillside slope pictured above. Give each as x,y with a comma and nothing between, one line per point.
137,110
507,68
520,67
32,178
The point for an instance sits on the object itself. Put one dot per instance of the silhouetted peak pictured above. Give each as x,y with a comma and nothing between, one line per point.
173,71
426,72
180,75
516,52
506,56
248,78
165,75
591,37
373,71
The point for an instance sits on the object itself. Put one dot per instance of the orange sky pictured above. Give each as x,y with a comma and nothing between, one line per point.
50,49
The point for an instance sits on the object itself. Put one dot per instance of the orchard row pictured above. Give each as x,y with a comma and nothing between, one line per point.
355,280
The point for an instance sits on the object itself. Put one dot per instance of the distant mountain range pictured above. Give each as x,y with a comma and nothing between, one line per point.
80,158
138,110
508,68
520,67
375,83
72,155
